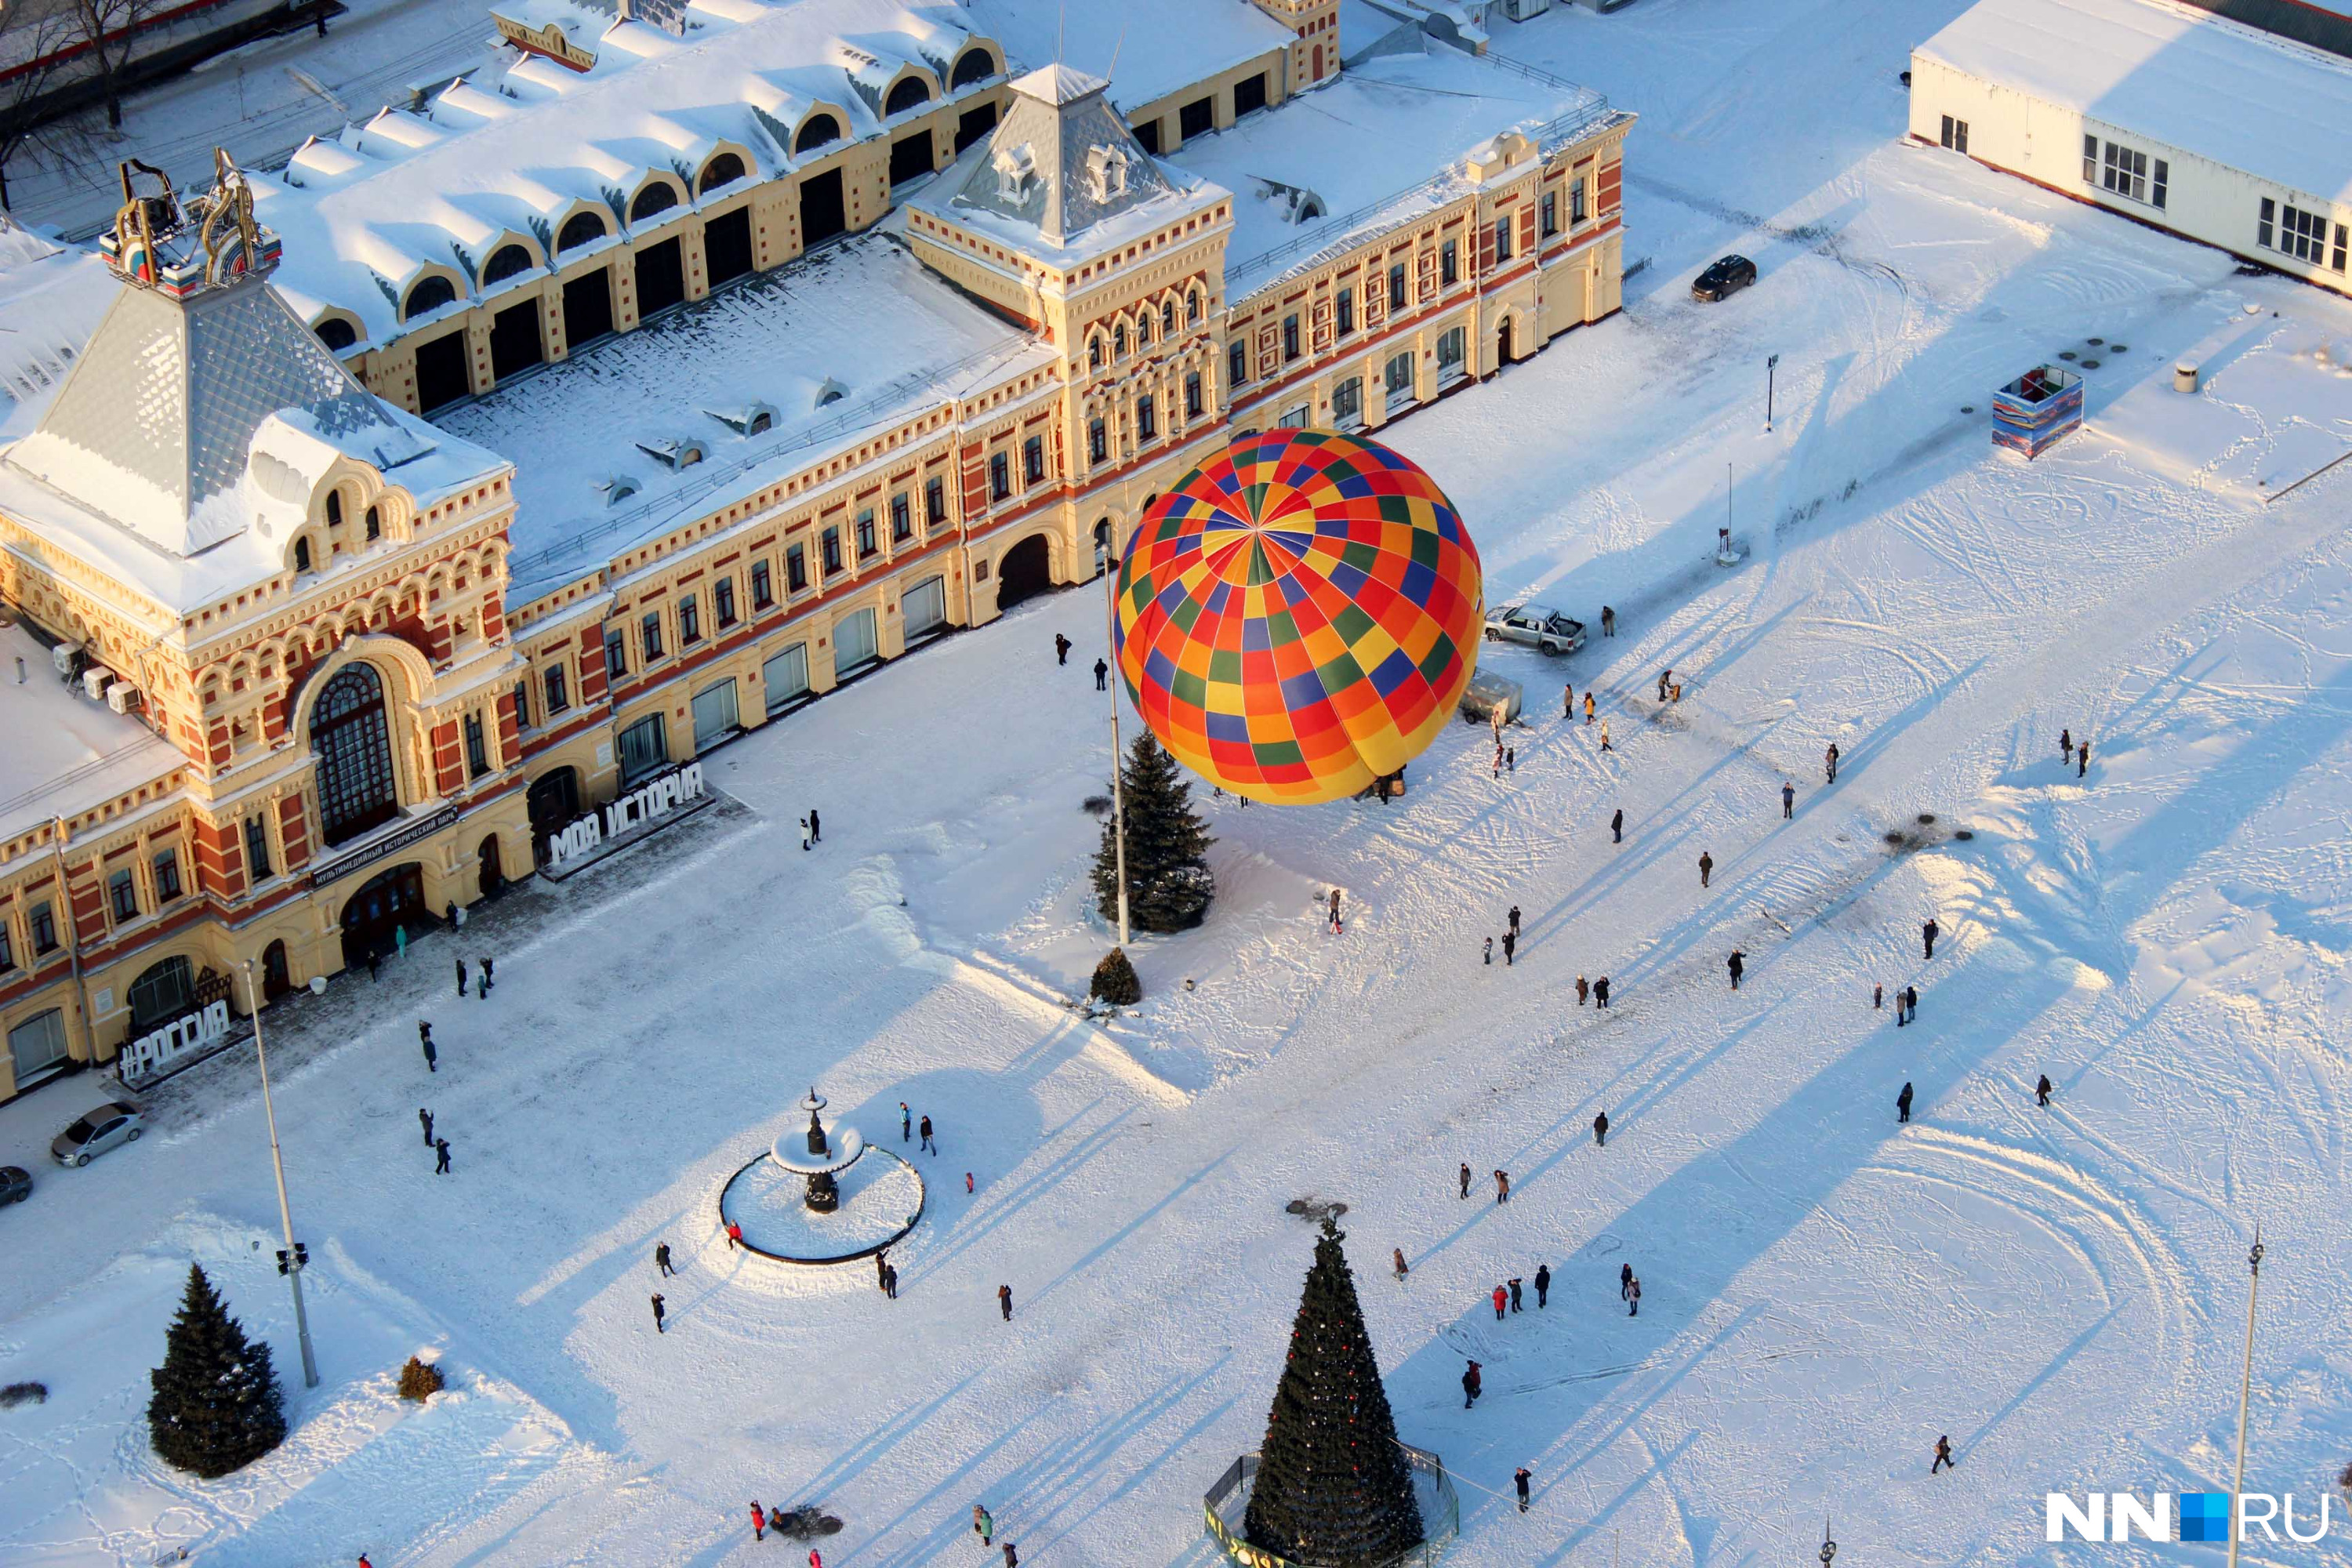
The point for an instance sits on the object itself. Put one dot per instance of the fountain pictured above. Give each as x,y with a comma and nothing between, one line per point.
822,1195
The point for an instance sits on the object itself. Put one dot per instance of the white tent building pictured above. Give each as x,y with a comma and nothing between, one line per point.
2161,111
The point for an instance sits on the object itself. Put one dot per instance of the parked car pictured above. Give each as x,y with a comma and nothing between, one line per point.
1725,279
101,1127
16,1184
1537,625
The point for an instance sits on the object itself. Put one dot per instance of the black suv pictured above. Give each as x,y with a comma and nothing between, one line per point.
1725,279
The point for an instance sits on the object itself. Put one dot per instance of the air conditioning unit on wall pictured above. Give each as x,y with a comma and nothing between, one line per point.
122,696
94,681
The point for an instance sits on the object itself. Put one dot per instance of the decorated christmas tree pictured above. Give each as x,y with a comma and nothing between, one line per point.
1333,1488
1168,881
216,1407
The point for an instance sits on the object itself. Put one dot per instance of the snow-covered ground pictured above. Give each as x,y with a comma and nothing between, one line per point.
2062,1291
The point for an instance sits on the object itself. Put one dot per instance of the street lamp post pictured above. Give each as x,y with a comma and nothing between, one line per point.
1770,366
1829,1547
291,1261
2245,1388
1117,757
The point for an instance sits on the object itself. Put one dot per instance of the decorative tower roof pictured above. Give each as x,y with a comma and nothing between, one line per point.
1062,162
154,426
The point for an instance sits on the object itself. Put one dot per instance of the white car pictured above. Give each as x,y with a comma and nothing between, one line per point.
101,1128
1537,626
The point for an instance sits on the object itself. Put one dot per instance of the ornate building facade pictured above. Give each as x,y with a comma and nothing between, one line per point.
330,669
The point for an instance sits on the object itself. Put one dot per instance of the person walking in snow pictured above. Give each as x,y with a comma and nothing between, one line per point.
1514,918
734,1235
1011,1557
906,1122
441,1157
1878,997
881,1269
661,1310
1617,826
1633,1300
1788,801
1466,1178
2083,757
483,990
1498,772
1470,1384
1605,737
1567,701
1510,948
1944,1460
1911,1003
890,1280
1515,1292
1004,1301
1624,1279
759,1522
1519,1478
661,1261
1601,1129
1601,992
1502,1186
2066,745
925,1144
1927,935
1500,1295
1588,707
816,828
1608,622
1510,758
1102,675
1582,990
1061,648
1487,952
1397,1253
1902,1103
804,833
461,977
1543,1285
967,1184
816,1558
2041,1092
1829,761
1335,911
1705,868
1737,964
1664,676
426,1117
983,1524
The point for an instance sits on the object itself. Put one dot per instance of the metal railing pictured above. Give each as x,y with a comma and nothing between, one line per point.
1441,1513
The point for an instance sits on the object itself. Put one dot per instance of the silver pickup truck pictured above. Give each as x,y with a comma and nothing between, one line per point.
1537,625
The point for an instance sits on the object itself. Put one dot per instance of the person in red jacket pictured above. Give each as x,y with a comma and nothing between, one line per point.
759,1522
1500,1295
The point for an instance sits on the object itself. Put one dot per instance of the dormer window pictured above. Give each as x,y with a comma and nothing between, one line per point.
1015,167
334,509
1106,172
301,555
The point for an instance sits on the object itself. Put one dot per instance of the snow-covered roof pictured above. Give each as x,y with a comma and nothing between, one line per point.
2250,102
1345,159
510,159
862,315
65,752
1159,46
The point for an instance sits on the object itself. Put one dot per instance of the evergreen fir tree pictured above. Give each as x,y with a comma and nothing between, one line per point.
1333,1488
1116,981
1168,882
217,1407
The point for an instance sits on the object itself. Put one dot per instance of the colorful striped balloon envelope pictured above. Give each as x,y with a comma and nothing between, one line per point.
1299,616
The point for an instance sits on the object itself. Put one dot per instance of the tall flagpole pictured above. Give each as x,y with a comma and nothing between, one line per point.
2245,1389
291,1261
1118,790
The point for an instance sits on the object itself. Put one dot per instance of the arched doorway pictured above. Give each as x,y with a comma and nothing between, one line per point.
494,880
353,745
384,904
163,992
1503,343
553,802
1026,571
275,979
1103,557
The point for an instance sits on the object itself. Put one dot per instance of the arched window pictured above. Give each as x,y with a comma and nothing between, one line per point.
1167,317
505,262
908,94
1193,307
334,509
581,228
659,197
815,131
977,65
1094,352
336,333
353,745
301,555
723,169
1118,341
374,523
162,992
430,295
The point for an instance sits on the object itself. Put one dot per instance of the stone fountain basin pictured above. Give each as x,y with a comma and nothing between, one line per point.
881,1199
792,1151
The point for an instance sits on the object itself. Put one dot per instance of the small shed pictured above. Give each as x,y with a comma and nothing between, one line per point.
2033,413
1486,693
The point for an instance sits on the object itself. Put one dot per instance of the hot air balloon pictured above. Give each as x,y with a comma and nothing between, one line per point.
1299,616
